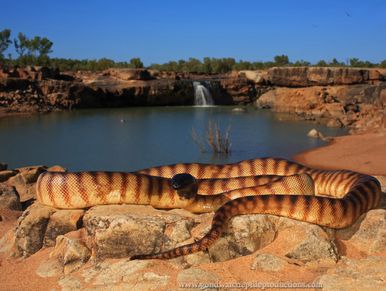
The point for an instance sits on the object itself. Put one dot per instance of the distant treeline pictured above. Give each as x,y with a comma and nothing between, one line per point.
36,50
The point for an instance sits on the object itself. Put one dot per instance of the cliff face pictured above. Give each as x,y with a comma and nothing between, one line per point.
354,98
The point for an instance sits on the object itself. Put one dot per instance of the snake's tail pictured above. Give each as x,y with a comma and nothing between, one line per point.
221,215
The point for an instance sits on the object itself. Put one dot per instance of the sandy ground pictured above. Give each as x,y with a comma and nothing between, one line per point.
364,153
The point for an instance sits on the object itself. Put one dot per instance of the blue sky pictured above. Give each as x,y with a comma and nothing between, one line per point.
159,31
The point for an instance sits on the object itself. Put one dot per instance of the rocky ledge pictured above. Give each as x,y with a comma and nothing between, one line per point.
90,248
338,97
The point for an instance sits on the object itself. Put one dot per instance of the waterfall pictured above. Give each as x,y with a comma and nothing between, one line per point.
202,96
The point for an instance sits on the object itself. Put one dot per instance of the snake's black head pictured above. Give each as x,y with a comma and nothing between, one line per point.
185,185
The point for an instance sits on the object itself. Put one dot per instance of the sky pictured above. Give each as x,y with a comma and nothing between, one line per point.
160,31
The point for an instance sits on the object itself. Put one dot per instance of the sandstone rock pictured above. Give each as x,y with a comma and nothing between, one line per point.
334,122
316,76
258,77
127,230
50,268
26,190
6,174
31,229
57,168
70,283
31,174
313,244
357,106
315,134
3,166
248,233
368,234
239,109
9,198
268,263
362,274
71,253
62,222
130,74
189,278
126,275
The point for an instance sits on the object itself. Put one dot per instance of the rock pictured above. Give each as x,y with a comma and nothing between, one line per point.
244,235
31,229
57,168
313,244
361,274
187,279
70,283
50,268
367,235
127,230
334,123
9,198
71,253
26,191
6,174
357,106
316,76
248,233
62,222
239,109
258,77
130,74
315,134
126,275
3,166
268,263
31,174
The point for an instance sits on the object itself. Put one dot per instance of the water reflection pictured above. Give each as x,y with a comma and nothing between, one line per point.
99,140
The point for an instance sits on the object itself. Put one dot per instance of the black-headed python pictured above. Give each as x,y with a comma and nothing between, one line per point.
332,198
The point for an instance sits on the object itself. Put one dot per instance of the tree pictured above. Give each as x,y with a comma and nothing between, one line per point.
322,63
4,41
281,60
136,63
383,64
21,44
336,63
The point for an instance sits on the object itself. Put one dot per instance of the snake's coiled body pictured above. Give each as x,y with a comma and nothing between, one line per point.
341,196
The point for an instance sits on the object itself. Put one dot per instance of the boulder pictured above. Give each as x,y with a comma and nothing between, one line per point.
9,198
31,228
25,190
62,222
127,230
314,244
71,253
367,235
30,174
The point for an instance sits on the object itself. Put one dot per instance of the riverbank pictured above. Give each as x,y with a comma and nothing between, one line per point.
365,153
